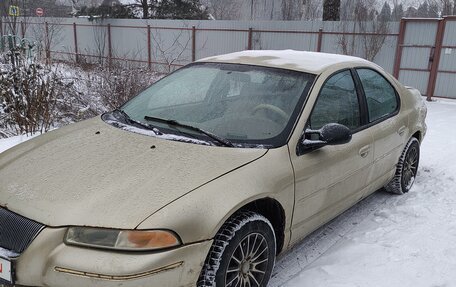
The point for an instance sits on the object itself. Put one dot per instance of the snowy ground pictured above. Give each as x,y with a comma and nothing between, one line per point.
385,240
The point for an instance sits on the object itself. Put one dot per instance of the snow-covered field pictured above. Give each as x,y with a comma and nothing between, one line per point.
385,240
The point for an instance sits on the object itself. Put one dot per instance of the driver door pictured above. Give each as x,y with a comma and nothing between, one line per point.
330,179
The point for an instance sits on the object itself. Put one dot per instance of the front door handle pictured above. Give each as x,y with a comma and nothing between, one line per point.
364,151
402,130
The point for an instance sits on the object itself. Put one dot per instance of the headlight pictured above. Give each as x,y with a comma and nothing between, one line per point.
128,240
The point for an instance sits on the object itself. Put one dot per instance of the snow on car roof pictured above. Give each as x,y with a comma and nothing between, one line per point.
310,62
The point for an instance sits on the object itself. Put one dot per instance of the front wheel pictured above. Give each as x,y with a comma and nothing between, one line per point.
243,253
406,169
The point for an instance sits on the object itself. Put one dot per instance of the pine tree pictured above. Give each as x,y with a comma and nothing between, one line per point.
180,9
411,12
385,13
331,10
423,10
447,7
398,12
433,10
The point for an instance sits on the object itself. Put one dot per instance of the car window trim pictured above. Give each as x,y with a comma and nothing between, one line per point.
299,115
398,99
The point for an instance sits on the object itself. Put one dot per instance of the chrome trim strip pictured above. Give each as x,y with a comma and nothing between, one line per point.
118,277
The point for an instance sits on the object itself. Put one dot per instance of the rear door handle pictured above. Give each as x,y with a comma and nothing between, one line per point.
402,130
364,151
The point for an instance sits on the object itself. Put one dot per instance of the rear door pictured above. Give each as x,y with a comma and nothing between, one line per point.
387,124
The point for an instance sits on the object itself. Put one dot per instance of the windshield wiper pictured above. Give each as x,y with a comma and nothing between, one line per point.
133,122
221,140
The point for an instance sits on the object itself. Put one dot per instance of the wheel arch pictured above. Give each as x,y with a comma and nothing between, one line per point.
418,135
274,212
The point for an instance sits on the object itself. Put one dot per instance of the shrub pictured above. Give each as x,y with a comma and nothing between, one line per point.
116,86
29,96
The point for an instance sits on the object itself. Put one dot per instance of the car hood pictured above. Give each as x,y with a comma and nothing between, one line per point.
93,174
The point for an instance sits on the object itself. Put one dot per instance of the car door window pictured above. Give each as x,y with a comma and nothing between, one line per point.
380,95
337,103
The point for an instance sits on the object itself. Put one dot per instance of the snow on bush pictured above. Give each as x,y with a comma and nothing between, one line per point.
30,95
117,85
36,97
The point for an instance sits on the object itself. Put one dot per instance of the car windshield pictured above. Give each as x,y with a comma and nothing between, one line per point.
237,105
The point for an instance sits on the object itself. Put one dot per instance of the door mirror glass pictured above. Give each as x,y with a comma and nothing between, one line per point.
329,134
335,134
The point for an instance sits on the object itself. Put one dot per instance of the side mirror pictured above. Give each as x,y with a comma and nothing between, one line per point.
329,134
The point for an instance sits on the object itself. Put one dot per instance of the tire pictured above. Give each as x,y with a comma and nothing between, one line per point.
406,169
243,252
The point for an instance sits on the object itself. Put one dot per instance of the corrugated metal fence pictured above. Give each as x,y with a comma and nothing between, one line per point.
426,56
420,52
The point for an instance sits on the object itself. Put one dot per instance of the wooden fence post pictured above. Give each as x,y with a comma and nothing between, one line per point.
250,43
47,42
75,37
149,48
400,42
320,39
193,43
109,47
2,41
22,29
436,59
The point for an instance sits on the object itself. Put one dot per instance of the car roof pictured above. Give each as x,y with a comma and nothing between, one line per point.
309,62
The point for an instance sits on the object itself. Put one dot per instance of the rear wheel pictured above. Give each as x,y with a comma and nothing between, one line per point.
243,253
406,169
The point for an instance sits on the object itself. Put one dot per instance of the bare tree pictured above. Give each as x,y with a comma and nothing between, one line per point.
447,7
292,9
373,43
441,7
144,4
100,37
312,9
366,33
225,9
174,50
46,38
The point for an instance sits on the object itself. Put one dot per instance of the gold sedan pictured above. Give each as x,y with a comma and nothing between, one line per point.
207,175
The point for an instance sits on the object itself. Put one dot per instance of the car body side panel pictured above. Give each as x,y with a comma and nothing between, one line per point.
392,134
389,142
416,111
199,215
327,177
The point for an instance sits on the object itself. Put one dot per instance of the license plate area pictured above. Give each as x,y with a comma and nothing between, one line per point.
6,271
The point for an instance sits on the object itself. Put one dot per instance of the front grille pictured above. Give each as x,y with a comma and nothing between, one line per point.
17,232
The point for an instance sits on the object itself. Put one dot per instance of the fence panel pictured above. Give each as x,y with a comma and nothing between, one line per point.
413,51
446,75
417,50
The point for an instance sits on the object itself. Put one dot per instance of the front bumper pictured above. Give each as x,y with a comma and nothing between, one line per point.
49,262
